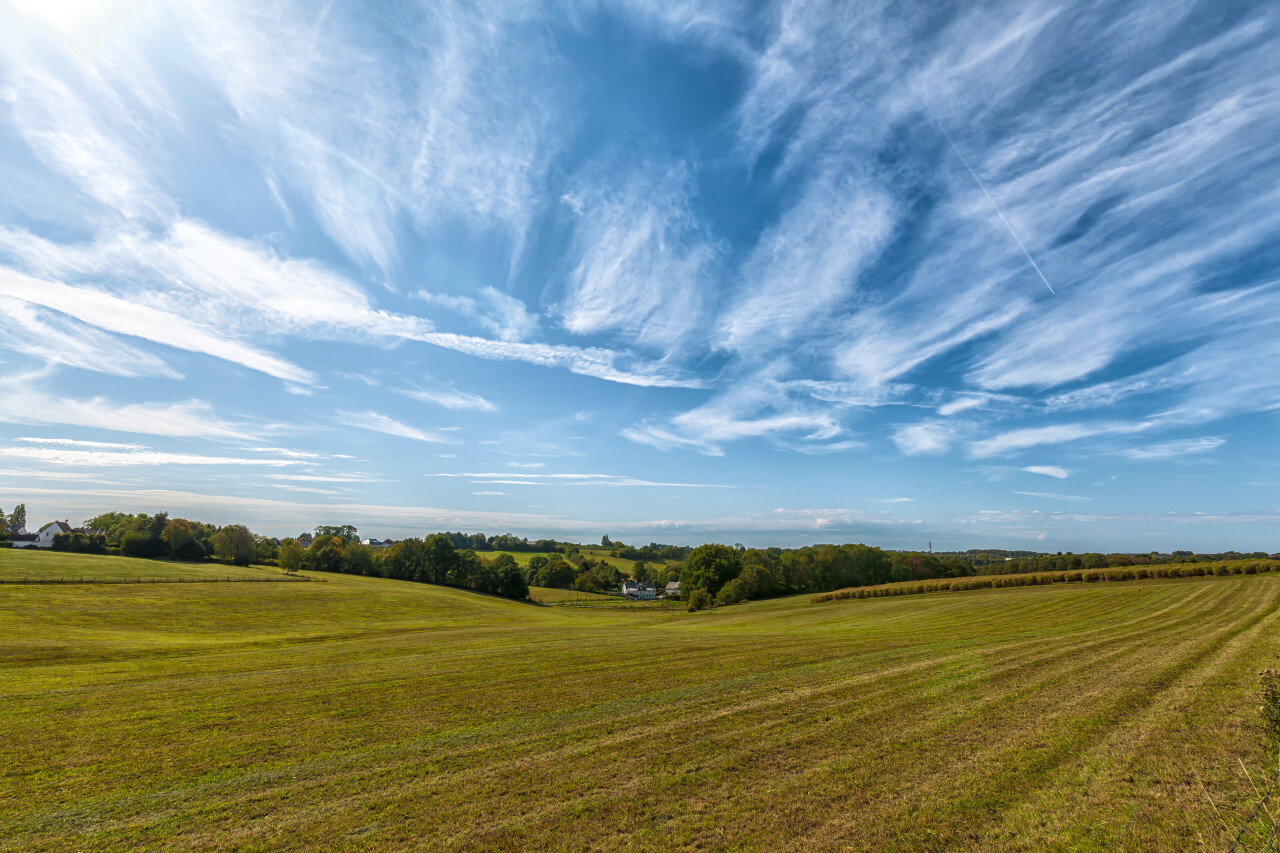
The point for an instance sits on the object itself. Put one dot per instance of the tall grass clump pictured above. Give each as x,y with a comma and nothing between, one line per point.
1270,708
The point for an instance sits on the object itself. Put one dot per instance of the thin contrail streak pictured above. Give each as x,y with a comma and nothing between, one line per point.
999,212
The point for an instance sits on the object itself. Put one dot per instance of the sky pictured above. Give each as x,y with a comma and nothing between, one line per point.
981,275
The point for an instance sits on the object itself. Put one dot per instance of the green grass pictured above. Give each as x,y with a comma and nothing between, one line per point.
365,714
522,558
37,564
546,595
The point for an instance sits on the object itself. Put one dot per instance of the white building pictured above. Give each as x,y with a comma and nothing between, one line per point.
44,538
642,590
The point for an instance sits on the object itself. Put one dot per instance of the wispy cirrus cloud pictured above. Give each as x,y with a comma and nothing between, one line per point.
424,145
130,458
450,398
377,422
76,442
50,337
610,480
1055,471
1053,496
121,316
1173,449
642,267
188,419
500,314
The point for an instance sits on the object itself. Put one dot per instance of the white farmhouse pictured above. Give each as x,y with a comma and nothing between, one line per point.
44,538
642,590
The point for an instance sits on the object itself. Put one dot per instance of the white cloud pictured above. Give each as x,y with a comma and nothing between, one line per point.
449,398
375,422
923,438
73,442
1021,439
190,418
500,314
611,480
642,268
121,316
1052,496
54,338
805,264
415,137
112,458
1055,471
592,361
1173,449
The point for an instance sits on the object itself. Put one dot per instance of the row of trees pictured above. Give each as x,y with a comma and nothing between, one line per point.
1077,562
161,537
434,559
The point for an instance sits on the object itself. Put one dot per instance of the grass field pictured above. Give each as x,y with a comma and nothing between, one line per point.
365,714
37,564
522,558
546,595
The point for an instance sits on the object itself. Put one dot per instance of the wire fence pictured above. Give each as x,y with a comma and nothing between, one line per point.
1258,809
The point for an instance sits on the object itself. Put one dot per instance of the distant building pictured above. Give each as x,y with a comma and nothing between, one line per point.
641,590
375,543
672,590
44,538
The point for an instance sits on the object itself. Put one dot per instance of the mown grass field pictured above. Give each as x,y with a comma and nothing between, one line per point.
38,564
547,595
365,714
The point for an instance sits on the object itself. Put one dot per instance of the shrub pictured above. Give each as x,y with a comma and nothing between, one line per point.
698,600
731,593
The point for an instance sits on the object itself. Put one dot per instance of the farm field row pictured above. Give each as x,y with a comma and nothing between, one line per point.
372,714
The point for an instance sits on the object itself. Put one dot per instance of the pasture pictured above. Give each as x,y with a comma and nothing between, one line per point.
17,564
366,714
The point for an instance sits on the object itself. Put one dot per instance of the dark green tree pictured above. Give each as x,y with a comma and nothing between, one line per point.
18,518
235,544
290,555
441,559
345,531
709,568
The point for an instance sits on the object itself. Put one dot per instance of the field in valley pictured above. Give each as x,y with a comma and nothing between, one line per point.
366,714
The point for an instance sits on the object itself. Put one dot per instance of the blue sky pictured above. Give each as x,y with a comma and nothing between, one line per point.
991,275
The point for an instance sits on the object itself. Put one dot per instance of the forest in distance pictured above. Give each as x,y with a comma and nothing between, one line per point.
709,574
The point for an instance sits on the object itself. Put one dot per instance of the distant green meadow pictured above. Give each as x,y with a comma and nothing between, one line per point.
369,714
38,564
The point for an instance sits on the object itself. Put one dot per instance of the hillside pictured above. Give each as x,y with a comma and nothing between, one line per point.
371,714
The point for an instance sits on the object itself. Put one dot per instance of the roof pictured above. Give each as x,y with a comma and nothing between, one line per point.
62,526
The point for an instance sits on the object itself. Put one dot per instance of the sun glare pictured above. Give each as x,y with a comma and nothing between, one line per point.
81,21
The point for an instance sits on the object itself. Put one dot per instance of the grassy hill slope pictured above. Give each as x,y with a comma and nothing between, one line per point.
17,564
370,714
